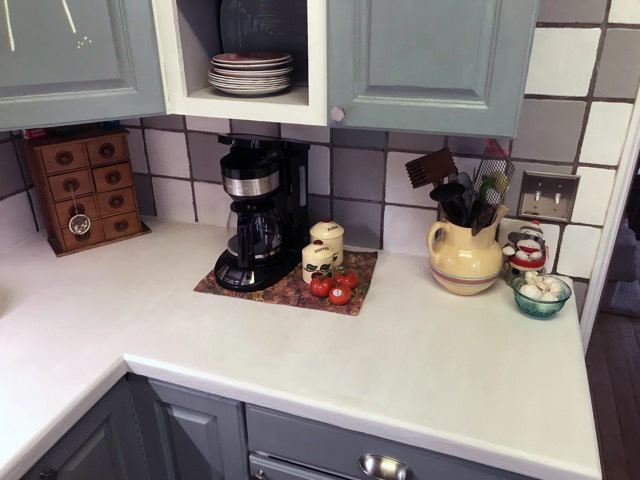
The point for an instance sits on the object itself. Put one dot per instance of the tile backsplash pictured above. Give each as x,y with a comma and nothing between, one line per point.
583,79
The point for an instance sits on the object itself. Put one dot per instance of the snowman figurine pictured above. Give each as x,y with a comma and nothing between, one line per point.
526,250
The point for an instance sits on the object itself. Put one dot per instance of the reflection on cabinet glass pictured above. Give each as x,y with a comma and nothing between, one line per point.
68,61
444,66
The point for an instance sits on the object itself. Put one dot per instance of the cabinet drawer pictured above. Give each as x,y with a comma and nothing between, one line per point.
112,177
275,470
121,225
77,182
337,450
107,150
85,205
60,158
94,235
117,201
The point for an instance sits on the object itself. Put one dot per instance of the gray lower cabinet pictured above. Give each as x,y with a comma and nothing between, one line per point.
189,435
103,445
265,468
443,66
73,61
335,451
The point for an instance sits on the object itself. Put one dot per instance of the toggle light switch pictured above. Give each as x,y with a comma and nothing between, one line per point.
548,196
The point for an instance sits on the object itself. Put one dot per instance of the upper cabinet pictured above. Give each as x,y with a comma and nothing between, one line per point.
444,66
71,61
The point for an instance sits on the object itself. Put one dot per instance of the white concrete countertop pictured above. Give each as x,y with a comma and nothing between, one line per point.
466,376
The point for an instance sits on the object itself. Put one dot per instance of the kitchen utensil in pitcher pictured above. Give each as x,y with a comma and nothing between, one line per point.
79,224
432,168
450,197
483,218
492,179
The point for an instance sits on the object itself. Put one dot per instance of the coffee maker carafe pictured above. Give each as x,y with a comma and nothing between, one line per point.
267,225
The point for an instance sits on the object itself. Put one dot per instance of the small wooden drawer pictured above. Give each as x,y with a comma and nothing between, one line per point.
77,182
85,205
112,177
61,158
107,150
121,225
116,201
93,236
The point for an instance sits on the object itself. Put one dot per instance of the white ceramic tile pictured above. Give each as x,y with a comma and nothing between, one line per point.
16,220
213,204
308,133
319,168
468,165
37,209
594,194
136,151
625,11
578,250
550,233
130,122
205,124
562,61
398,189
606,133
174,200
167,153
405,229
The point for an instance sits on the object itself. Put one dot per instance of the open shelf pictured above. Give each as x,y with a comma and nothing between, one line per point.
190,34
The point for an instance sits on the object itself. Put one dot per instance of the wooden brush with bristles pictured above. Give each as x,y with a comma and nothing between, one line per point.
432,168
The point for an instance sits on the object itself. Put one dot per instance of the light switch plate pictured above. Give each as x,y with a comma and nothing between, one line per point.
548,196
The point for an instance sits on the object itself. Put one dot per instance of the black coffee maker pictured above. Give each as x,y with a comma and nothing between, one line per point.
268,225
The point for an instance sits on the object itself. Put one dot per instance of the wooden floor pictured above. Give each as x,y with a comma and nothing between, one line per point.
613,365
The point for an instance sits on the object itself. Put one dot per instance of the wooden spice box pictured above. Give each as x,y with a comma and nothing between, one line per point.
94,164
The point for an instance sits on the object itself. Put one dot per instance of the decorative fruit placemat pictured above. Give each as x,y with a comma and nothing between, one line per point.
293,291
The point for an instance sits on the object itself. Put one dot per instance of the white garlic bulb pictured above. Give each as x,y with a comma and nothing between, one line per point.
531,291
548,297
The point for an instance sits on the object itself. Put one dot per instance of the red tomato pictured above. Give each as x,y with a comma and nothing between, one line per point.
340,295
349,279
320,286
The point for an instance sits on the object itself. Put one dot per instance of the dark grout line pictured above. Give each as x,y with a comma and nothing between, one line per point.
385,157
193,185
146,156
14,140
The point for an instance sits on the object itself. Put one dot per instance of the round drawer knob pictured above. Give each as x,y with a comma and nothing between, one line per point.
70,184
113,177
116,201
77,210
337,114
84,237
64,158
107,150
121,226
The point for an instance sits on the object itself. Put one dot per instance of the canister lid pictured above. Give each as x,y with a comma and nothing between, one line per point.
317,251
326,229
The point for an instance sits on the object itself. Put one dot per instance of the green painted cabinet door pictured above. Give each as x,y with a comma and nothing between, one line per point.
72,61
442,66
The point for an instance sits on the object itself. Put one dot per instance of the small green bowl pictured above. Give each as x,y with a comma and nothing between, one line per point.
539,308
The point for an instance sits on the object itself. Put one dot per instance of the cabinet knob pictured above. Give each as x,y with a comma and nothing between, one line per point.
113,177
78,209
384,468
337,114
259,476
70,184
116,201
107,150
49,475
83,237
121,225
64,158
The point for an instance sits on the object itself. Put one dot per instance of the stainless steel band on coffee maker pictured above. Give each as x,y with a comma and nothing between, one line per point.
251,187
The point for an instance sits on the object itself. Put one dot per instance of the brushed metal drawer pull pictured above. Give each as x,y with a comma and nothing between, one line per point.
259,476
70,184
121,225
384,468
116,201
107,150
113,177
49,475
64,158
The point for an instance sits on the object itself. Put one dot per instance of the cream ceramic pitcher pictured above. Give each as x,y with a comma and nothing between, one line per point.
462,263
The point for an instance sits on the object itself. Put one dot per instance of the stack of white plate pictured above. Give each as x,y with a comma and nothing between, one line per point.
251,73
